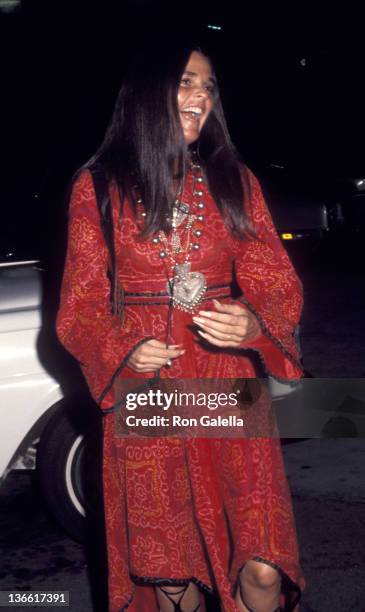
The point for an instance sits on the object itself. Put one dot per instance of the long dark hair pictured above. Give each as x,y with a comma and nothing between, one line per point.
144,148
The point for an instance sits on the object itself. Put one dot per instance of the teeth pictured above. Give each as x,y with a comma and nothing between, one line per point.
193,109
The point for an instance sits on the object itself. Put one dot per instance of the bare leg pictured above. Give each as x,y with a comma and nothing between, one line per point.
258,589
181,598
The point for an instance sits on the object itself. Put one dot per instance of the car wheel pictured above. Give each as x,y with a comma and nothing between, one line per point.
68,466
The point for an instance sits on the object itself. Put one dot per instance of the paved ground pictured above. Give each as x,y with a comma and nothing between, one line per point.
328,487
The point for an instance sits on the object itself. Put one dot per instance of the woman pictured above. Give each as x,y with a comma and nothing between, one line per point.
183,516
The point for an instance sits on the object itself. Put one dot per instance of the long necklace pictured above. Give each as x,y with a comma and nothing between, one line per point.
186,288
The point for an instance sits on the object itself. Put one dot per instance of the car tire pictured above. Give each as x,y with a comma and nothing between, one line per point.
68,466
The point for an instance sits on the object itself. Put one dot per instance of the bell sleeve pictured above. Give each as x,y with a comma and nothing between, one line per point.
85,324
271,290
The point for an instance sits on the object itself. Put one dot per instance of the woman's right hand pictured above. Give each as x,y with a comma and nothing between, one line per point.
153,355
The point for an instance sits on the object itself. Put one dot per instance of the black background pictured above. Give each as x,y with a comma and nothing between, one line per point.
291,81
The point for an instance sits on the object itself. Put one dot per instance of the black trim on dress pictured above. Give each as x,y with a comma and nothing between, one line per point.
269,335
116,374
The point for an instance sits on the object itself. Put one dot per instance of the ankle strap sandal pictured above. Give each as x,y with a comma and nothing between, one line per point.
182,591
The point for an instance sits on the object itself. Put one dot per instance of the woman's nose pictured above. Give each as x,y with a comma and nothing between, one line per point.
201,92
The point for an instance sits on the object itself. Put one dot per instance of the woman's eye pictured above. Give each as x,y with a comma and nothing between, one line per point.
187,82
210,88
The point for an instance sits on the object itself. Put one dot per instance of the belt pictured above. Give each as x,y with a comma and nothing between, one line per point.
163,297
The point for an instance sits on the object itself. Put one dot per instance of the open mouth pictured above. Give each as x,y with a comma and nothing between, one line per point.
193,113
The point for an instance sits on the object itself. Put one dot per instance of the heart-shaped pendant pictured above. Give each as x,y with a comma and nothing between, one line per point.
187,288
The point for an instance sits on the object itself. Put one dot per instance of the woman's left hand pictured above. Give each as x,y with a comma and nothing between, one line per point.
229,326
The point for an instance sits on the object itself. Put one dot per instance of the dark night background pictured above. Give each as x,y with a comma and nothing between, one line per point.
291,79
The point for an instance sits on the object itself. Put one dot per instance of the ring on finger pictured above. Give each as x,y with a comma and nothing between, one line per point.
168,363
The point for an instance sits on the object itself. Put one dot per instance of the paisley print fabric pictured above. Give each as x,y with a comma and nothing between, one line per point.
183,509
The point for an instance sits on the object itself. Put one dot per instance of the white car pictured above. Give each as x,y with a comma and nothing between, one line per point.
42,427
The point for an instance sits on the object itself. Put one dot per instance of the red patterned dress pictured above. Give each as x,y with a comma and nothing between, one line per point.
181,509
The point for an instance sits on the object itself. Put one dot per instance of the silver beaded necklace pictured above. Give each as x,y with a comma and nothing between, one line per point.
186,288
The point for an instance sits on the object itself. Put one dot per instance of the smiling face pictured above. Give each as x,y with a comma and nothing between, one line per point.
195,96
